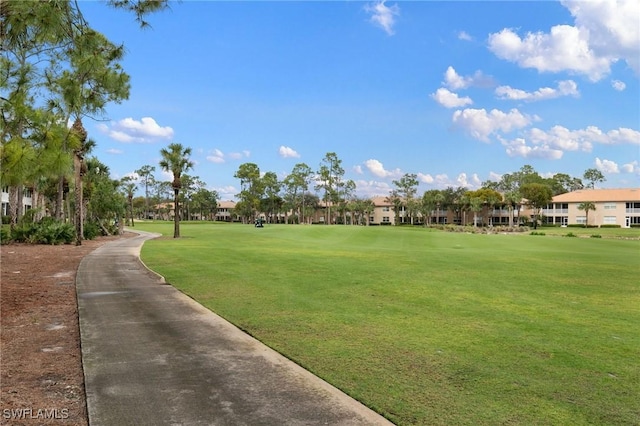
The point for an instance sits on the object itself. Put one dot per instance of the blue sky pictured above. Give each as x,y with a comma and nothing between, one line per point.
455,92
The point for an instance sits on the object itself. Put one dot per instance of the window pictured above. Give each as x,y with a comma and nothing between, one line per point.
609,220
385,209
581,220
609,206
385,219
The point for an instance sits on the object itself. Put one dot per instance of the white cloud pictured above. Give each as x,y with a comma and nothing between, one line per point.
377,168
463,35
606,31
480,124
518,148
624,135
383,16
495,177
618,85
226,192
216,156
553,143
372,188
455,81
632,167
425,178
115,151
129,130
358,169
465,182
612,28
607,166
286,152
565,88
449,99
220,157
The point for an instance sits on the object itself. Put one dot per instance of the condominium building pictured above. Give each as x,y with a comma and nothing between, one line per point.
612,207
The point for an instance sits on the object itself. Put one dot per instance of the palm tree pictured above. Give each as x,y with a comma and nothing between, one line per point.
82,147
175,159
587,206
129,187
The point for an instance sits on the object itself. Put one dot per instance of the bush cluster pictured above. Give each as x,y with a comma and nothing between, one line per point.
482,229
46,231
537,233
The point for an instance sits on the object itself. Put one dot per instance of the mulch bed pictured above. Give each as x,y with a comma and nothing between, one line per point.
41,376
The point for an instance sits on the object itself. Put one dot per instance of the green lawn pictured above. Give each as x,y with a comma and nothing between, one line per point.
428,327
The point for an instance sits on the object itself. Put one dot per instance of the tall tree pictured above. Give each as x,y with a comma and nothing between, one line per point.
296,185
175,159
250,189
429,203
271,187
105,205
562,183
537,196
52,58
511,200
330,179
396,201
129,187
587,206
593,176
82,147
406,187
146,178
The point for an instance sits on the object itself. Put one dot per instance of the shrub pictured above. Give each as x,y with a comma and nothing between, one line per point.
54,233
47,231
5,235
610,226
23,232
91,230
570,234
596,236
537,233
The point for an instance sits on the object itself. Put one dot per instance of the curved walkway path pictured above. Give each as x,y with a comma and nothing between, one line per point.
154,356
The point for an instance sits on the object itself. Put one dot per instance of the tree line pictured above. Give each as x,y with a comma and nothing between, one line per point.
55,70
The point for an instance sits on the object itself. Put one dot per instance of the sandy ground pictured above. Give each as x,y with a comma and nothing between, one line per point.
41,378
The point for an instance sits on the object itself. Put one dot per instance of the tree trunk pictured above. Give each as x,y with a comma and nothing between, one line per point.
77,165
60,199
14,201
176,217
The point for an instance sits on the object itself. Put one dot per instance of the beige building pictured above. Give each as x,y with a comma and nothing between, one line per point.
612,207
225,211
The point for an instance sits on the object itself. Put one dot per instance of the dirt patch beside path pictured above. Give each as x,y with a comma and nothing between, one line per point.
41,377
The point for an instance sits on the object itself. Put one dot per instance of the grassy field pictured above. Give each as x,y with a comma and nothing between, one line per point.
428,327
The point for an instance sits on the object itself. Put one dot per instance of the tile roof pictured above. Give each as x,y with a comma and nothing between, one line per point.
599,195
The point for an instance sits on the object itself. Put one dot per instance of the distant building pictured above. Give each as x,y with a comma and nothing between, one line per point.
27,201
225,211
612,207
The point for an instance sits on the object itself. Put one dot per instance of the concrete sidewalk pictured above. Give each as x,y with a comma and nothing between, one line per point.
153,356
